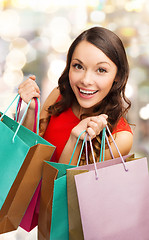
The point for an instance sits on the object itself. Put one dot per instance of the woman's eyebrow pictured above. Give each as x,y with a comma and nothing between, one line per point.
77,60
103,62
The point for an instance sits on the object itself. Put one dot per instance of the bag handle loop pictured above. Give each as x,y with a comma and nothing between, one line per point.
8,107
76,147
92,151
126,169
21,121
37,113
102,148
24,117
17,110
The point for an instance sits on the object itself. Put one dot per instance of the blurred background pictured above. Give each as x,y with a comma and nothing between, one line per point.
36,34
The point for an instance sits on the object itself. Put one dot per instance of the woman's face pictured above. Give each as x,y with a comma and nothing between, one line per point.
91,74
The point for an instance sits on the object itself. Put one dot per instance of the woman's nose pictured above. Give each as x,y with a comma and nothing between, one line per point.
86,79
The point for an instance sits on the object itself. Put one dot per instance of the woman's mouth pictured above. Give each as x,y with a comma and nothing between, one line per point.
87,92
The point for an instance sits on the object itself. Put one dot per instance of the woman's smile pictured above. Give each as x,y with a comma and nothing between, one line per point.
87,93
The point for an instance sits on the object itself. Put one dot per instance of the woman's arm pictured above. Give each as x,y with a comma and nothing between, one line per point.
29,90
124,141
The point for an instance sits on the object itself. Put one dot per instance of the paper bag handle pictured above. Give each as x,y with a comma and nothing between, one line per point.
92,151
104,135
22,116
117,148
8,107
102,148
18,108
37,113
76,147
85,142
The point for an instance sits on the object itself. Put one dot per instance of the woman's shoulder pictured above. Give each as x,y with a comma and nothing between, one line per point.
123,136
122,125
53,96
51,99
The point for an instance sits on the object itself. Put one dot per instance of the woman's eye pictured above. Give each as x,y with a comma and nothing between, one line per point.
77,66
101,70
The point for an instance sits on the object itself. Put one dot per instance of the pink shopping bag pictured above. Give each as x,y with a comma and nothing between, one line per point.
30,218
75,226
114,201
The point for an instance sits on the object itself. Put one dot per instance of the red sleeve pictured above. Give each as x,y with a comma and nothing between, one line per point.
122,126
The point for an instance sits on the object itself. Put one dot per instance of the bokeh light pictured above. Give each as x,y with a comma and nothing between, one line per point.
9,24
144,112
16,59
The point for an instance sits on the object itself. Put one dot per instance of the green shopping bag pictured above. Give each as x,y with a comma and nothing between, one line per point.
59,222
53,216
16,143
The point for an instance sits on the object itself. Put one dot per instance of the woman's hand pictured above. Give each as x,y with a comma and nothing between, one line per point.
93,126
28,90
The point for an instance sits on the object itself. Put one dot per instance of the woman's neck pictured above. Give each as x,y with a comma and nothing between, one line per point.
77,110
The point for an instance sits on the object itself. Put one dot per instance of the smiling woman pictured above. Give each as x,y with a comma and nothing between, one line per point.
90,95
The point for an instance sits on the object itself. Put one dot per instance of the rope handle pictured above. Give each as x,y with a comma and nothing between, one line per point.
8,107
18,108
22,116
117,148
36,122
102,147
92,151
76,147
104,136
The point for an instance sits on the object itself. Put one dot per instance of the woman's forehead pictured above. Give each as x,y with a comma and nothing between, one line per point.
87,52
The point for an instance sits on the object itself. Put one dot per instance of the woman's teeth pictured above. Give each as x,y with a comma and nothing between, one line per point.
86,92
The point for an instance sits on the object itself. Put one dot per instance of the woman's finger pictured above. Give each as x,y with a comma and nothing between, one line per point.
91,132
33,77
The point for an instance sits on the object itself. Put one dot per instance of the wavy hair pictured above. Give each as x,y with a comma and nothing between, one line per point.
115,104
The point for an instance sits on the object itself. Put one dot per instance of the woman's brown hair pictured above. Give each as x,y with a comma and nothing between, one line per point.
115,104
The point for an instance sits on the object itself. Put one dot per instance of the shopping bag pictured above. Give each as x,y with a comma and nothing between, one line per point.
22,153
75,225
114,201
30,218
49,174
57,217
53,213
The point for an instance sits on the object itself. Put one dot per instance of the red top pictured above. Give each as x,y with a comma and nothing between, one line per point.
59,129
